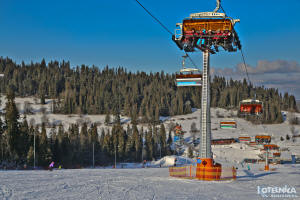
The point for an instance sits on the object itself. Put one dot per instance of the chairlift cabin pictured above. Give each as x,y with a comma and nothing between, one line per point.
263,139
188,77
228,124
271,147
207,31
251,107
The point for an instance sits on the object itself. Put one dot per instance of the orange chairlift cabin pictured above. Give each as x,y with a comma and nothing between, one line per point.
188,76
207,31
251,107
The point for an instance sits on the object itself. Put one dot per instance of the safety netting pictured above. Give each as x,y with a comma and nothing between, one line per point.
204,173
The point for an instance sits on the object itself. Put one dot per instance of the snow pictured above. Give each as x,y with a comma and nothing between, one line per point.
153,182
168,161
145,183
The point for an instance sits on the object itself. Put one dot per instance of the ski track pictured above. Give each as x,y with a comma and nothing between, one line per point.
136,184
5,192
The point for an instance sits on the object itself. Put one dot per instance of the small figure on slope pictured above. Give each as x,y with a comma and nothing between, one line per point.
51,166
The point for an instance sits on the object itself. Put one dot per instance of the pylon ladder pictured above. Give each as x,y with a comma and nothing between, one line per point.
205,143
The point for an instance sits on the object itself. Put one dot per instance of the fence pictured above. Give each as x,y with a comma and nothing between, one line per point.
204,173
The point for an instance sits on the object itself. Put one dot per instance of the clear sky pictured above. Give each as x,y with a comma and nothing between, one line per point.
120,33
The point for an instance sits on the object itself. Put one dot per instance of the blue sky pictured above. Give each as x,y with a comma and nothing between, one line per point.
120,33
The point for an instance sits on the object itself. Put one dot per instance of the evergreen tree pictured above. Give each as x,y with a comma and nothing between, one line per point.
136,141
23,140
107,118
12,124
163,139
169,143
193,132
190,152
149,144
44,152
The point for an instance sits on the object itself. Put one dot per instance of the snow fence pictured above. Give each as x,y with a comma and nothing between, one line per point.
203,173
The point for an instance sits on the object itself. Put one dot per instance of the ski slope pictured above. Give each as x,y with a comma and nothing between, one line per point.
145,183
155,183
233,153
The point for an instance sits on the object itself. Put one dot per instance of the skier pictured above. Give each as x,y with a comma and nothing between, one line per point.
51,166
248,167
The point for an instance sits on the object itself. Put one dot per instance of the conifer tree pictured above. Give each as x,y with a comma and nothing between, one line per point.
190,152
149,143
136,141
163,139
107,118
44,151
169,143
12,124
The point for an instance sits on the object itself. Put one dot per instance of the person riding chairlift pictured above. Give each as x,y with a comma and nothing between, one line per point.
201,41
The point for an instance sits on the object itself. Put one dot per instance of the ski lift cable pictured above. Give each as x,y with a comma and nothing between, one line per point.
245,66
165,28
191,60
242,54
157,20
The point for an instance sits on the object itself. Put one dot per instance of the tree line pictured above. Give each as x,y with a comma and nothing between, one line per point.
76,146
83,90
89,90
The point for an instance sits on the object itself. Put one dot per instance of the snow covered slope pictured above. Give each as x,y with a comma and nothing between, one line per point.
144,184
233,153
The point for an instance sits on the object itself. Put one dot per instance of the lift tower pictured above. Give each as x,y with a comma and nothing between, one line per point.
207,32
205,143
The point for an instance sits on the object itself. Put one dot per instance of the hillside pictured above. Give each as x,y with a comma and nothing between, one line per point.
93,90
234,153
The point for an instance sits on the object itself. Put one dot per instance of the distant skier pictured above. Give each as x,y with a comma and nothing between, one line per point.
51,166
144,163
248,167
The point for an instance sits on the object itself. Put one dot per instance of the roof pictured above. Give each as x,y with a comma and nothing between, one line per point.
251,101
190,70
262,136
228,120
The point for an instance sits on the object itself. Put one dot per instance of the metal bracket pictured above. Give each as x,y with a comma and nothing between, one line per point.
218,6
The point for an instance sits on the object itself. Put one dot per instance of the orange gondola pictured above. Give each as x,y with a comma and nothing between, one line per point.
251,107
207,30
